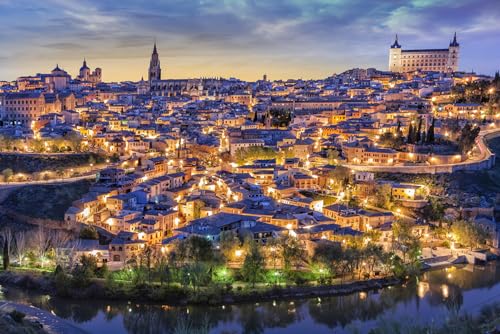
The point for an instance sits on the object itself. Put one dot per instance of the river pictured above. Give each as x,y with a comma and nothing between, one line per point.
431,299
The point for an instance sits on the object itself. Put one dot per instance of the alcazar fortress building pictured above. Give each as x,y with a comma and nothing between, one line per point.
440,60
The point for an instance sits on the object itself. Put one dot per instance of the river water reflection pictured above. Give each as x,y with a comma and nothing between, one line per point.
433,298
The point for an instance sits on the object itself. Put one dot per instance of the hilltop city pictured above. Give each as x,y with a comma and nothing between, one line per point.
363,175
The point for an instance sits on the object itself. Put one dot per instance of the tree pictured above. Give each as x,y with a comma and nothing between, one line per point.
418,135
383,198
328,254
430,132
229,243
410,137
8,246
434,210
147,254
92,160
253,265
163,269
292,252
245,155
42,243
405,242
5,254
468,233
391,140
280,117
74,140
467,137
349,261
22,244
84,271
89,232
340,176
372,255
332,156
62,281
7,174
195,249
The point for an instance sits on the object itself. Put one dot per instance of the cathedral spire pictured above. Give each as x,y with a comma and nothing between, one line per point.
396,45
454,42
154,66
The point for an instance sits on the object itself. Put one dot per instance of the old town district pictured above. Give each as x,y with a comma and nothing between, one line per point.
265,166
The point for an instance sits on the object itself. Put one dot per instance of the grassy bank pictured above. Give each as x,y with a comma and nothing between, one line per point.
45,201
175,294
32,163
484,181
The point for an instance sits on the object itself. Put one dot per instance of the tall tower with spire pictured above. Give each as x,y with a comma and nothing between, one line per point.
84,71
154,66
395,56
453,51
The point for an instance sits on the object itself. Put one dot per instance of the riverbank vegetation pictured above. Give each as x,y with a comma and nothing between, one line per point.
193,270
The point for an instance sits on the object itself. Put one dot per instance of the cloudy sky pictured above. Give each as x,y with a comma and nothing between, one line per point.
240,38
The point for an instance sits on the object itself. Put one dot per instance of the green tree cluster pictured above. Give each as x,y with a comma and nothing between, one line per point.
246,155
467,137
468,233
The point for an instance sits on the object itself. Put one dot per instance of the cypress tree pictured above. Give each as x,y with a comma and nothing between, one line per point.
6,260
430,133
418,134
409,140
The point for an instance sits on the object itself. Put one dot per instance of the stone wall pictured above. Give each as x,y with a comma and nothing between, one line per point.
485,163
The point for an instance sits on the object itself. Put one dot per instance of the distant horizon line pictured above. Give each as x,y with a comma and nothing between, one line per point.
235,77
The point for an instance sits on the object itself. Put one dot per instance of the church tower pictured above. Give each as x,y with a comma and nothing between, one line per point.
154,66
395,56
84,71
453,53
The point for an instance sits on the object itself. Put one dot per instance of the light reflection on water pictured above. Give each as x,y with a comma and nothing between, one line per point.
434,297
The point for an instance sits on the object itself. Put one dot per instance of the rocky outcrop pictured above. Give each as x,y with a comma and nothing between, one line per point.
15,322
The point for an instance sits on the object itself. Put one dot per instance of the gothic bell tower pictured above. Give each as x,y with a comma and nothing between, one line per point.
154,66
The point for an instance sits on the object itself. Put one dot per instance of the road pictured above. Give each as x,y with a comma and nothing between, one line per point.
484,155
6,185
395,213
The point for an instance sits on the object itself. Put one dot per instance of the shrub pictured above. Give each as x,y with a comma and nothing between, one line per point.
89,232
62,282
17,316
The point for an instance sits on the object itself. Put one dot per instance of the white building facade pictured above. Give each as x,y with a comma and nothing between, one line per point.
439,60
